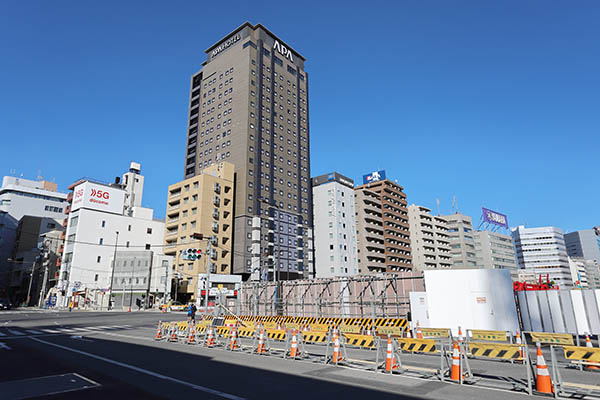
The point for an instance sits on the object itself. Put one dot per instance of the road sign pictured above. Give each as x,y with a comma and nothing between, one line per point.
220,286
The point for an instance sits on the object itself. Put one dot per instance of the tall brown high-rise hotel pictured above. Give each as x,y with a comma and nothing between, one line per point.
249,106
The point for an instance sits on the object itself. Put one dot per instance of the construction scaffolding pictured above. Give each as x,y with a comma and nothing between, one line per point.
361,296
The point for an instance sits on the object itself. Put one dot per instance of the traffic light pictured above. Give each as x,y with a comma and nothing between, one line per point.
197,236
191,254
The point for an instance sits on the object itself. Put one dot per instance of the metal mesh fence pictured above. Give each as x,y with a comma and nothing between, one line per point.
361,296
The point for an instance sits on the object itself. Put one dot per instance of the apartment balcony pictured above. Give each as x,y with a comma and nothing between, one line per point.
172,220
171,233
175,195
173,207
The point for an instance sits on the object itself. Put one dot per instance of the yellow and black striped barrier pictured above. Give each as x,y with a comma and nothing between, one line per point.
276,334
245,332
359,340
496,350
314,337
417,345
581,353
487,335
270,325
223,330
552,338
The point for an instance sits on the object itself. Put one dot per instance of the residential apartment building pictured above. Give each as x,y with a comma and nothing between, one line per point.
429,239
382,227
543,252
201,205
101,220
334,226
35,241
20,197
494,250
249,107
462,241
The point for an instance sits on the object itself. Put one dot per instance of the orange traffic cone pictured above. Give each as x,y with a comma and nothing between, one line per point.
419,333
233,344
337,357
543,381
159,335
390,359
519,341
294,346
173,334
210,338
455,370
588,343
261,342
460,335
192,335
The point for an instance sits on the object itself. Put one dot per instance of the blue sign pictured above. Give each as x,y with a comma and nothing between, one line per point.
374,176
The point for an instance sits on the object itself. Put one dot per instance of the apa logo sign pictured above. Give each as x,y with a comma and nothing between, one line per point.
284,51
100,194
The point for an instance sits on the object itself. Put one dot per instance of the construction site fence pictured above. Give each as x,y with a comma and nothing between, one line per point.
360,296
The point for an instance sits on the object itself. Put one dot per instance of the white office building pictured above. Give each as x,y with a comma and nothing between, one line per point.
429,240
104,220
494,250
20,197
543,252
334,225
462,241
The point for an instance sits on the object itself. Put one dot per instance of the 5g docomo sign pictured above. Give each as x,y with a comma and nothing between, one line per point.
98,197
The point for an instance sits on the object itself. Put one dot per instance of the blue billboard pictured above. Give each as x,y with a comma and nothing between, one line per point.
374,176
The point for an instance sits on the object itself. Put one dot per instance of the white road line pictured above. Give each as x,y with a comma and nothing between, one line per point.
15,332
144,371
80,329
50,331
33,331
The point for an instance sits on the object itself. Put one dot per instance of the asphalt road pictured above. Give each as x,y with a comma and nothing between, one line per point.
100,355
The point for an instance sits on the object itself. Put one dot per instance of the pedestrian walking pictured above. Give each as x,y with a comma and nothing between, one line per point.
192,312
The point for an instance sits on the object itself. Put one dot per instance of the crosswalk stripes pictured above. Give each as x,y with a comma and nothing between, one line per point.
23,332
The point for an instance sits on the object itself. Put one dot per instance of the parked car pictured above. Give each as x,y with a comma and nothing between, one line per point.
5,304
174,306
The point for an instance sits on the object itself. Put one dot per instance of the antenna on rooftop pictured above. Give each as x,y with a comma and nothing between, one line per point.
454,204
437,201
39,175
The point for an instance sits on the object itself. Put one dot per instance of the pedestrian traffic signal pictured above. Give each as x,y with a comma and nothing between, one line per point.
191,254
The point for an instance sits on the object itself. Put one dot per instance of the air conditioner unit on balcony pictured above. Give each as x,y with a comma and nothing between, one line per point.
216,201
217,187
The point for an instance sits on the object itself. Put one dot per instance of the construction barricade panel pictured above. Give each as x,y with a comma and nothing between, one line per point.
359,340
435,332
487,335
496,350
314,337
392,331
551,338
582,353
350,329
417,345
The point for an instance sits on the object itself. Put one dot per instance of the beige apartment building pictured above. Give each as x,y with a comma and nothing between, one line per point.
382,228
202,205
429,240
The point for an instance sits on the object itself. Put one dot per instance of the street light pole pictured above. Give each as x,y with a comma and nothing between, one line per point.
131,286
112,275
30,282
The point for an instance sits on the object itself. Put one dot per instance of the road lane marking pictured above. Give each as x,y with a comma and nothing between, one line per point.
143,371
50,331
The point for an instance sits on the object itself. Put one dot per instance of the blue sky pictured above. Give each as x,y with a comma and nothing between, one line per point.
496,103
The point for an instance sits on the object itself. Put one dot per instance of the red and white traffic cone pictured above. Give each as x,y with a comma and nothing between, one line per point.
233,344
419,333
210,338
455,370
543,381
159,335
337,357
261,342
520,342
192,335
173,333
390,358
460,336
294,346
588,343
